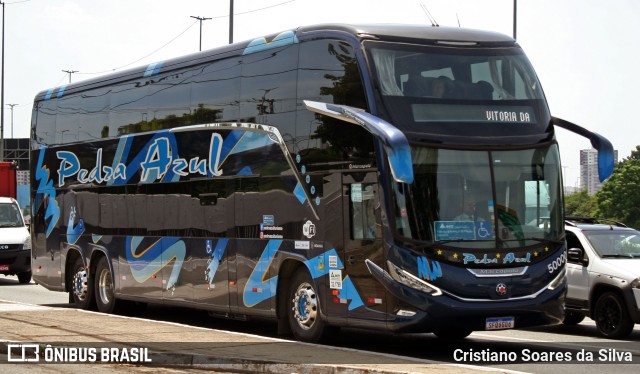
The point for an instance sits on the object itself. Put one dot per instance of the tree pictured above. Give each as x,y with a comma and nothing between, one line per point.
580,204
635,154
619,197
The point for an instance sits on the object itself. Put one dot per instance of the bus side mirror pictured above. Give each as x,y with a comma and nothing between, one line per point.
599,142
393,140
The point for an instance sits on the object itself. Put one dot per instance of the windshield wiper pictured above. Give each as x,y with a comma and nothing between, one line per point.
540,240
618,255
430,246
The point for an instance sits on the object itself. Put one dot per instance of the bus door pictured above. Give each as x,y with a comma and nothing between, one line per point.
253,284
365,297
214,253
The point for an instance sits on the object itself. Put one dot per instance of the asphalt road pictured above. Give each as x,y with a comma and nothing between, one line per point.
551,349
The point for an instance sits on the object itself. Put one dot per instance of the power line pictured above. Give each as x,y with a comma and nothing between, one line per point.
256,10
145,56
179,35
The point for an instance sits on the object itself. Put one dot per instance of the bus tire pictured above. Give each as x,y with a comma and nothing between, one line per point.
105,296
82,286
611,316
303,309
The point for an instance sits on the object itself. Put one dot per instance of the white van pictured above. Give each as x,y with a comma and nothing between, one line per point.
15,241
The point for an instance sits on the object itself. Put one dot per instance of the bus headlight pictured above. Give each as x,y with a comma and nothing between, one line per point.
410,280
27,244
558,279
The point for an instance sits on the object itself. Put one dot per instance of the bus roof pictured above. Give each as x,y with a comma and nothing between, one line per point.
390,32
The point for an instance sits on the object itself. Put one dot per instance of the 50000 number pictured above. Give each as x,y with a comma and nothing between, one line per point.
557,263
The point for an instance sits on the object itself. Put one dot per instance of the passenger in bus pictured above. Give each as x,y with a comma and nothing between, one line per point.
468,212
438,88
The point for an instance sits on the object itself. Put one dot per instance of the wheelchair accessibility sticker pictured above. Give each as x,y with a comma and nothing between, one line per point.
463,230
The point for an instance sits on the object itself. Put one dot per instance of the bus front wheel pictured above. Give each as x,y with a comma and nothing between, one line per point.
303,309
105,298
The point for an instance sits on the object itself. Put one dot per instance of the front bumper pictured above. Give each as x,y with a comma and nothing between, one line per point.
447,312
15,261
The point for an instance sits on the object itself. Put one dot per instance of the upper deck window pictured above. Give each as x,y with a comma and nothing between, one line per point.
455,73
457,84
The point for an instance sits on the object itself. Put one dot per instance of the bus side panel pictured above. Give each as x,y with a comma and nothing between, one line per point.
256,286
209,272
46,230
139,265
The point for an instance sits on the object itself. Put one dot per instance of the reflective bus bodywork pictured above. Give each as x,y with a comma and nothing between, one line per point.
404,178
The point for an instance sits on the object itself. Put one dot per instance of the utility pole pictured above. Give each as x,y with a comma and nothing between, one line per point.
230,21
11,105
70,72
515,16
200,19
2,93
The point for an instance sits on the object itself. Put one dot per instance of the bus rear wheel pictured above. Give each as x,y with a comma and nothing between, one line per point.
81,286
105,297
303,309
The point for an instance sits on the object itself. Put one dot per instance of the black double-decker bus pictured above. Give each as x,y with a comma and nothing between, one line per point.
402,178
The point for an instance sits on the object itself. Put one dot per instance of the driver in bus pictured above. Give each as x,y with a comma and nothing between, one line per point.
468,212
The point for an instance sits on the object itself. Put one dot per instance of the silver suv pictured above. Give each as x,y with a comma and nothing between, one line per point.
603,270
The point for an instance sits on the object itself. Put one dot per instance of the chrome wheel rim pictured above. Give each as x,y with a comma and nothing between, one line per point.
80,284
105,286
305,306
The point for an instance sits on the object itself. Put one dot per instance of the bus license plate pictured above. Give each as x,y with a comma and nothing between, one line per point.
500,323
4,267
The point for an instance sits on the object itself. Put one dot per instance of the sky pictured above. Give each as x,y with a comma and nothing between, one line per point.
585,52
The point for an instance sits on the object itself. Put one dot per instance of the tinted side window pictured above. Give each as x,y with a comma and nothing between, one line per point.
268,88
128,108
170,100
328,72
94,118
215,91
45,127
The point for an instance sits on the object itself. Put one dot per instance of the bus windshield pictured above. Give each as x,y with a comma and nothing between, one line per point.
481,199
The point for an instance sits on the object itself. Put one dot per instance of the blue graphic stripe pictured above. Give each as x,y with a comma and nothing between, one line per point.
230,143
216,258
259,287
261,44
299,193
49,93
45,187
319,266
349,292
251,141
122,153
134,165
153,258
61,91
153,69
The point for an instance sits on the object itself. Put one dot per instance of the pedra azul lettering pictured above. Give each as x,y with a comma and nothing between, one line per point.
158,161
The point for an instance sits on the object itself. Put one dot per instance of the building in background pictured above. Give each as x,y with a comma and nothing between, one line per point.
18,150
589,180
